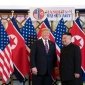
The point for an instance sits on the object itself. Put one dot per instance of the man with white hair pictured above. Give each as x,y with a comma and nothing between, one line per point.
43,59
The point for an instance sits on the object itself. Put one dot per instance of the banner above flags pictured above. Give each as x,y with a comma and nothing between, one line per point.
52,13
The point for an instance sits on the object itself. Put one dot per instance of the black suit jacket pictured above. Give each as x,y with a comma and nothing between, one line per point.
70,62
40,59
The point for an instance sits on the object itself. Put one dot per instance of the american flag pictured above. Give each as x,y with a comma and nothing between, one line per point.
28,32
60,29
6,64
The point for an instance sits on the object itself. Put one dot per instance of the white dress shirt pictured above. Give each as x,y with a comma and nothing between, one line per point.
44,42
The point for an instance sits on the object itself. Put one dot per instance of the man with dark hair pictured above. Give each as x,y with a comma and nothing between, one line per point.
70,62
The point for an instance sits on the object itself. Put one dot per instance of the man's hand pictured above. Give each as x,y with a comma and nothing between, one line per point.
77,75
56,71
34,71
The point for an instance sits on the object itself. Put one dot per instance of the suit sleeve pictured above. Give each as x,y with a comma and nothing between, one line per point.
33,55
77,59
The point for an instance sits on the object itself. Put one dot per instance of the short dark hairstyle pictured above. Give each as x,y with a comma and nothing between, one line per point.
68,33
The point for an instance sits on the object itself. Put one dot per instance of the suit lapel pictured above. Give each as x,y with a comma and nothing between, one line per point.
49,46
42,44
43,47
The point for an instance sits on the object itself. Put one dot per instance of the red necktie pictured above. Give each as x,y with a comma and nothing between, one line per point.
46,46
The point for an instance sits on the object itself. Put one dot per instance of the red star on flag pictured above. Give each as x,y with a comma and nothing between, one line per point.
12,41
77,41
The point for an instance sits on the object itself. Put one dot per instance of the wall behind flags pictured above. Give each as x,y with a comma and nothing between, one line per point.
25,4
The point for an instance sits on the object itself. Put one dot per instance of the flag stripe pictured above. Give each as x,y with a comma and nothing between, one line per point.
9,57
6,63
5,55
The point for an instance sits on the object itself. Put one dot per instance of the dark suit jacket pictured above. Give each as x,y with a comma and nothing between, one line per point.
70,62
40,59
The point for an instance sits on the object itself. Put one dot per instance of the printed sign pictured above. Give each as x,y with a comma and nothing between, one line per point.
52,13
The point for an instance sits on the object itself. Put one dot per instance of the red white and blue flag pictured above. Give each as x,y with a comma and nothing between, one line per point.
28,32
59,31
6,62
